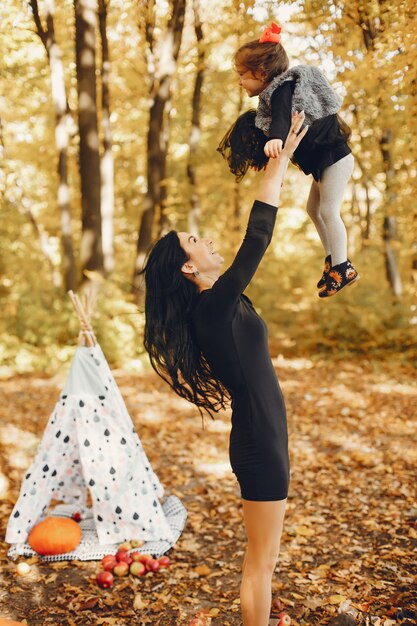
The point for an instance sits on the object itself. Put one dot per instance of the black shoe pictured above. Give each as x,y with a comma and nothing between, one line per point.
339,276
327,268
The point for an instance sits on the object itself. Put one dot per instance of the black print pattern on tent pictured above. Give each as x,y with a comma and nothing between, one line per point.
90,443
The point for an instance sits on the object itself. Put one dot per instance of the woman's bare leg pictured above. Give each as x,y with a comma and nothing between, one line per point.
263,523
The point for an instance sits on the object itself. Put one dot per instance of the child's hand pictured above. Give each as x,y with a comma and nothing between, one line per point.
273,148
294,136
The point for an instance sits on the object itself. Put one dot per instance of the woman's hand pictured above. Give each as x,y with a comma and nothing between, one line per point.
294,136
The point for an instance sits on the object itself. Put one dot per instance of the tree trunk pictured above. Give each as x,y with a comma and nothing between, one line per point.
371,27
107,162
162,62
43,239
389,226
60,100
365,182
22,204
368,27
194,214
394,278
367,232
91,253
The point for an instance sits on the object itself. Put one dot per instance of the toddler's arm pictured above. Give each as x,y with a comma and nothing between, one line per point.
281,102
275,170
273,148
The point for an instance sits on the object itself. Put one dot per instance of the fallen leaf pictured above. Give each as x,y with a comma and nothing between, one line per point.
190,545
304,531
51,579
59,565
202,570
336,599
138,603
214,612
312,603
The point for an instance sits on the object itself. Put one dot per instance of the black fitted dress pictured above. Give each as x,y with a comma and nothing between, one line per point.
234,340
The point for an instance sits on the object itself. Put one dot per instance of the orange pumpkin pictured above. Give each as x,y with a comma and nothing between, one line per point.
55,535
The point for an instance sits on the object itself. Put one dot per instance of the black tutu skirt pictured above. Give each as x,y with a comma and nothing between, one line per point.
243,146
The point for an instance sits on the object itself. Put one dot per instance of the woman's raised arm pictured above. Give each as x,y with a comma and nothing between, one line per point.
261,223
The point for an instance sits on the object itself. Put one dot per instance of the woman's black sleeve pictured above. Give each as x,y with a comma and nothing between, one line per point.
281,103
227,289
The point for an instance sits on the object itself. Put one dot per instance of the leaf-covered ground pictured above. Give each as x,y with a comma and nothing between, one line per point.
350,528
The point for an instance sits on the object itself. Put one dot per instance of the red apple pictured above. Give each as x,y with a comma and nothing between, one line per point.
125,546
121,569
109,562
123,556
143,558
77,517
152,565
137,569
105,579
284,619
164,561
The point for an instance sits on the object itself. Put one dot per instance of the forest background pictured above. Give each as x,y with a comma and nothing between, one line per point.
111,112
110,115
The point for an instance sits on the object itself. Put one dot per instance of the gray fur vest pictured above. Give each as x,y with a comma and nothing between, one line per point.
312,94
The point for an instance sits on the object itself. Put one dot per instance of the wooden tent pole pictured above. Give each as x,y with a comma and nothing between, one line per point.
86,336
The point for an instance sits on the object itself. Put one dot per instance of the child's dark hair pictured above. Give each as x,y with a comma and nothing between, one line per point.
267,57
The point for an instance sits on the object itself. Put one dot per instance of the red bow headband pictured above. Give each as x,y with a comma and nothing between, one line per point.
271,33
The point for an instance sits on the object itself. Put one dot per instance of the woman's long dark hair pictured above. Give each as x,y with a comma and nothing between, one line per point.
169,338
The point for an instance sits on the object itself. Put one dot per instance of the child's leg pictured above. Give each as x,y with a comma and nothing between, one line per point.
313,210
332,187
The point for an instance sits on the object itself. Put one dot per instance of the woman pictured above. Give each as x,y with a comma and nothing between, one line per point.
206,340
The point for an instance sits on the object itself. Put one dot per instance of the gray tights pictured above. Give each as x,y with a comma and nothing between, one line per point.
324,204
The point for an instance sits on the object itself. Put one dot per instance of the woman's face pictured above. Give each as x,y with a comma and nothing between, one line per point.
202,256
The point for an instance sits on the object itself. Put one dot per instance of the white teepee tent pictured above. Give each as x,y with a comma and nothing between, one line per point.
90,443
